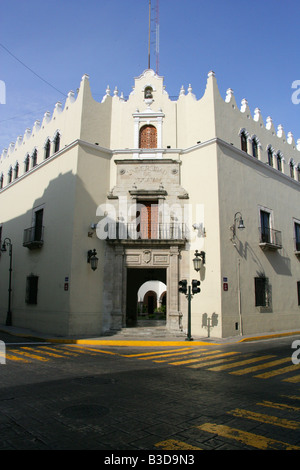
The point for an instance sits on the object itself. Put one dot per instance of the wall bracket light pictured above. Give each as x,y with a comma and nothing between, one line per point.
199,260
92,259
237,218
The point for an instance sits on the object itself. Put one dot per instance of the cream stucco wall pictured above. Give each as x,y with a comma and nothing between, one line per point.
200,139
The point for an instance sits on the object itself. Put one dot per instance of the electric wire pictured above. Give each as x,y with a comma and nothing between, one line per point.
32,71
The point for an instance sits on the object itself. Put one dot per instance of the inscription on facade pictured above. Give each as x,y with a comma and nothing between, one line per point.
148,174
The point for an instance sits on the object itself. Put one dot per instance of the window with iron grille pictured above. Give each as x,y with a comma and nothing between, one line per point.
31,289
298,291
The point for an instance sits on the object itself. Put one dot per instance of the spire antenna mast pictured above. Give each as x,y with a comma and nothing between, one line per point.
149,39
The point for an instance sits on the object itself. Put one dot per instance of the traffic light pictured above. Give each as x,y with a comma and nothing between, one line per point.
183,286
195,288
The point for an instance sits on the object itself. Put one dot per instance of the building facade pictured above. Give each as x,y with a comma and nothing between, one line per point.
144,184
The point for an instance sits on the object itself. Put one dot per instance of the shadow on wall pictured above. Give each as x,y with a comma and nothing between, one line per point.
50,260
209,322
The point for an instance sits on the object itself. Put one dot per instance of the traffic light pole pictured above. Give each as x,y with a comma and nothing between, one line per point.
189,291
189,297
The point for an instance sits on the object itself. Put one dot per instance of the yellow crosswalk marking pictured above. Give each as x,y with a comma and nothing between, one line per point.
294,379
240,363
27,354
247,438
11,357
78,350
214,361
152,353
66,352
273,373
95,350
49,351
267,419
292,397
177,353
279,406
172,444
260,366
198,358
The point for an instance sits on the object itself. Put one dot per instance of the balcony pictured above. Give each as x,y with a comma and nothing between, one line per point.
33,237
270,239
147,233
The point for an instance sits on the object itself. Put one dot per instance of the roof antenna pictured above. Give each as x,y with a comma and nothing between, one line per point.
149,34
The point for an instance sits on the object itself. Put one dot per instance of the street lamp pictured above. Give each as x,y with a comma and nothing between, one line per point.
7,242
199,260
237,218
92,259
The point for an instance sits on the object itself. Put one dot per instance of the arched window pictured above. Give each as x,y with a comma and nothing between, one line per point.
148,137
148,93
1,181
254,147
27,163
47,149
34,158
270,156
292,169
244,141
279,162
16,171
56,142
9,175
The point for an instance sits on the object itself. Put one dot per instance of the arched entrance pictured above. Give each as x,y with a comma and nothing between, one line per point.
143,305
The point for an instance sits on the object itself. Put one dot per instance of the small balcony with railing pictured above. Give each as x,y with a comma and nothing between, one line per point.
33,237
270,239
154,233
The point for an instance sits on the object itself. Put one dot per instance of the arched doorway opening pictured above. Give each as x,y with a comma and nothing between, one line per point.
145,288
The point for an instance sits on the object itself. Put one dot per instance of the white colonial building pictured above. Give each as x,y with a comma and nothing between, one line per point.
143,184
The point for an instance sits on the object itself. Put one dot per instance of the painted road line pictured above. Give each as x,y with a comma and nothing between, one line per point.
240,363
273,373
266,419
152,353
295,379
292,397
67,353
32,356
79,350
190,352
11,357
248,370
102,351
279,406
219,361
50,352
172,444
247,438
201,358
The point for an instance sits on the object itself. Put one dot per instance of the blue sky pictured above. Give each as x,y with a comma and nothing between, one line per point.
252,46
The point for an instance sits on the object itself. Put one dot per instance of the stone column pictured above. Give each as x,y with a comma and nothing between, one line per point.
117,280
174,315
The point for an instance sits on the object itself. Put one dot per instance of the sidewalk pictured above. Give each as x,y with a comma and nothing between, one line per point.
134,339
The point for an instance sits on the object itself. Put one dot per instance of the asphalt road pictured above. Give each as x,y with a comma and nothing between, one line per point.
165,401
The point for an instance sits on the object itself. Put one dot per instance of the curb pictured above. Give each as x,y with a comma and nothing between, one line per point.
146,343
